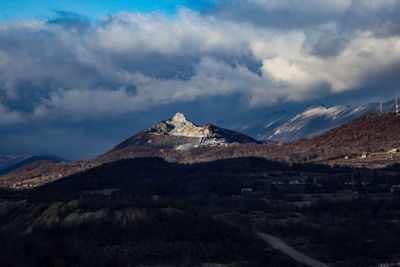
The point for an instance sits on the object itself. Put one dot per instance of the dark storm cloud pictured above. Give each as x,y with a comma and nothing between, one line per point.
8,116
289,14
329,45
349,16
280,14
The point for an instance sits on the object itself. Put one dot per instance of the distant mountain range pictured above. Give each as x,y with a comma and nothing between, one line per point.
171,136
179,140
9,163
284,127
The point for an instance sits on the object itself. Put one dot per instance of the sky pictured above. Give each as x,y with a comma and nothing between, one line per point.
78,77
93,9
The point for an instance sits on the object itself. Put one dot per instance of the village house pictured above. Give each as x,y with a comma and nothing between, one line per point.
395,189
294,180
350,183
365,155
247,190
365,182
20,185
394,150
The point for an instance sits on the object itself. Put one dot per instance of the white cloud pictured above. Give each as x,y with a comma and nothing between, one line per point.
374,4
336,6
365,55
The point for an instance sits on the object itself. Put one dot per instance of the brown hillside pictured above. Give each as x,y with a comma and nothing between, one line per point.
371,133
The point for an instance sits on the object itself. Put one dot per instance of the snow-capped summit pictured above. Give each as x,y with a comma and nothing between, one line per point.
317,119
311,121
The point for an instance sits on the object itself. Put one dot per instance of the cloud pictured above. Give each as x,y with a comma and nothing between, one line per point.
311,6
263,51
8,116
365,55
208,81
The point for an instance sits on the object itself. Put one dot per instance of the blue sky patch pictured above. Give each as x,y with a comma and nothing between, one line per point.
44,9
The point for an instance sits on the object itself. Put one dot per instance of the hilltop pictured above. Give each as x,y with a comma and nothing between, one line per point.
9,163
373,133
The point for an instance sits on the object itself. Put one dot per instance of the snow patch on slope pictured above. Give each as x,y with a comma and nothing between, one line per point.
321,111
317,119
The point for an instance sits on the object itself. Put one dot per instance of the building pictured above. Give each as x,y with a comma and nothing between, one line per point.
294,180
395,189
365,182
247,190
20,185
394,150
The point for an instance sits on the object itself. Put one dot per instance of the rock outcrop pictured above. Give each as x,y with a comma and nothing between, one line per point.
178,125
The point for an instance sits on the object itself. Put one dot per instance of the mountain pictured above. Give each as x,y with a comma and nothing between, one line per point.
9,163
369,133
166,138
179,133
314,120
8,160
19,161
261,124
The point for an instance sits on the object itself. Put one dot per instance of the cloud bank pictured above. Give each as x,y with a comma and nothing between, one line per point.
265,51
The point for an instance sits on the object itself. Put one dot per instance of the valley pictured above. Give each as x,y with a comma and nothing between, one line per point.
130,210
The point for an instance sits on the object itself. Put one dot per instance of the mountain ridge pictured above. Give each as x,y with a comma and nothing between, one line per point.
9,163
371,133
314,120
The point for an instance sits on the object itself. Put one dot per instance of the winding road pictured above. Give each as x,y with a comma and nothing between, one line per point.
280,245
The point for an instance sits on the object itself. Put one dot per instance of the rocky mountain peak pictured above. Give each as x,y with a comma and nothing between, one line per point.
178,125
179,117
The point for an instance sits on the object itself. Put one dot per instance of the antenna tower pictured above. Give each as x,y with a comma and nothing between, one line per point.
381,107
397,106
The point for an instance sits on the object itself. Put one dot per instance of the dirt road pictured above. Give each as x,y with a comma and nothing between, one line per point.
280,245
